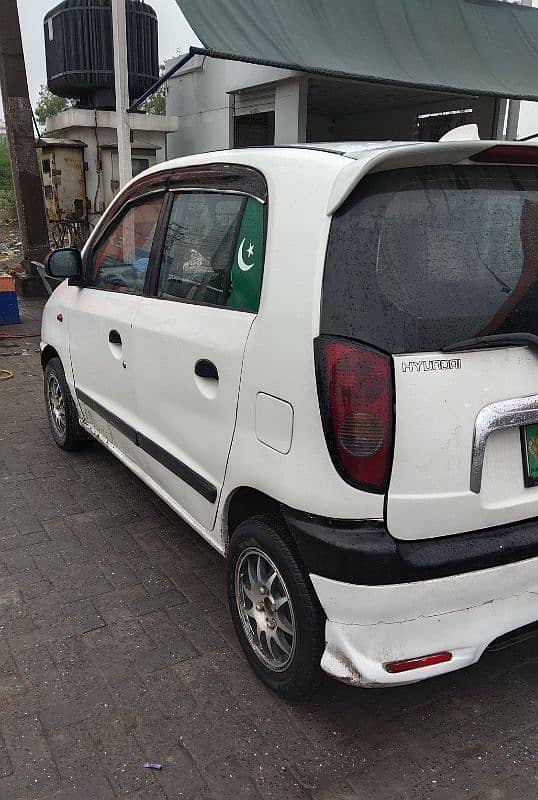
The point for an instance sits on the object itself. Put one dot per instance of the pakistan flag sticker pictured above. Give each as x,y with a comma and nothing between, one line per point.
247,265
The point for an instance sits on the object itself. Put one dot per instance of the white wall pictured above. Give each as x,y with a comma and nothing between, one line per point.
197,95
201,95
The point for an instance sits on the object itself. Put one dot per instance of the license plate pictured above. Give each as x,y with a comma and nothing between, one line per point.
529,442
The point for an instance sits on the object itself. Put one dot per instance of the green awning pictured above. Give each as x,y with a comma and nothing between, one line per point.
470,46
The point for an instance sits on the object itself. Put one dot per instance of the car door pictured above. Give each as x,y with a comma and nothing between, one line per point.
189,339
100,320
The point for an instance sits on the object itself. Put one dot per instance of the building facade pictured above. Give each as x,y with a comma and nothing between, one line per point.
222,104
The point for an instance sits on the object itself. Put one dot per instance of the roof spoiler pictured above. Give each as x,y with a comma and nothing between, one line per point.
412,155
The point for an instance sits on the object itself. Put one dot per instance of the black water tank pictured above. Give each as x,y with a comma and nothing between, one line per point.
80,55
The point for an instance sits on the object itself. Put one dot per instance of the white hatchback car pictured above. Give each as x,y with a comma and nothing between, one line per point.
325,360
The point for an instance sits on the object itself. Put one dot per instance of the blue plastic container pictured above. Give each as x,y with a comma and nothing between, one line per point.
9,308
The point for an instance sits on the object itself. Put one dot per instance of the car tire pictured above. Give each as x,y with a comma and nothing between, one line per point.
277,617
61,412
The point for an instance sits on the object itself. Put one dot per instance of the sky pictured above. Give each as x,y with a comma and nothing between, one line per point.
174,34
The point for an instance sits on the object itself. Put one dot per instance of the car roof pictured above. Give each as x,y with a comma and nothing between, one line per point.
332,155
345,163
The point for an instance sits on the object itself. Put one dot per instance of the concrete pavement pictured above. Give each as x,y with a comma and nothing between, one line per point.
116,648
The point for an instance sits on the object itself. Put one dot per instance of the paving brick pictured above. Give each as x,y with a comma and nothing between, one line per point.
83,616
188,582
148,605
25,521
121,640
33,768
514,787
19,560
57,712
118,605
180,777
68,652
6,767
154,660
118,573
33,590
35,663
83,780
13,539
7,662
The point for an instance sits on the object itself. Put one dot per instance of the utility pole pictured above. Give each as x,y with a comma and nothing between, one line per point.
121,72
22,150
512,116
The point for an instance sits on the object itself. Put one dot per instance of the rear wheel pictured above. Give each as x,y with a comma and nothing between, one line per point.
276,614
61,411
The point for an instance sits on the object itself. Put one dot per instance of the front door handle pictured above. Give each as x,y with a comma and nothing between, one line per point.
114,337
206,369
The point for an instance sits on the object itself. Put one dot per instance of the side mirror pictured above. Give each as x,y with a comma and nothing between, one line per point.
65,263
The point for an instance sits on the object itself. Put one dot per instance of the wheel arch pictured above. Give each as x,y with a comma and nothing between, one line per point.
47,354
242,503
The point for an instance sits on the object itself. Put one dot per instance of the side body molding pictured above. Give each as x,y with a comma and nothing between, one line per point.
503,414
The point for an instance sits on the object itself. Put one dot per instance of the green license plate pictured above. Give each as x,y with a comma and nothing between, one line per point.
529,441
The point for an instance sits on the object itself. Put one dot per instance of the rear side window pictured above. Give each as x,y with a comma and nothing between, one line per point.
419,258
213,250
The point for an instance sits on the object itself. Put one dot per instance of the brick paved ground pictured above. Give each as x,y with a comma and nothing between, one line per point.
116,648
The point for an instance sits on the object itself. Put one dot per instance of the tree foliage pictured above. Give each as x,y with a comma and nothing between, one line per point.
156,104
5,165
7,195
49,104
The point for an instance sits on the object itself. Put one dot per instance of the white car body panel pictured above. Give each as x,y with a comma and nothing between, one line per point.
270,354
55,333
193,418
429,493
370,626
104,372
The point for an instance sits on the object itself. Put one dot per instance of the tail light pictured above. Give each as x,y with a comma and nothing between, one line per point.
356,399
507,154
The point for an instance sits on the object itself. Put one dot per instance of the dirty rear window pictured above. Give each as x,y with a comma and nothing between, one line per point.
418,258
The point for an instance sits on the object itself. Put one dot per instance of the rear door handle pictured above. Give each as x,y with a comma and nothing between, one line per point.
114,337
206,369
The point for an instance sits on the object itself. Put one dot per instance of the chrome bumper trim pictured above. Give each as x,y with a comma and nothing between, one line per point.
505,414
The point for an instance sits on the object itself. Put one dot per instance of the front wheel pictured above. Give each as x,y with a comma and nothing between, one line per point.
61,411
274,609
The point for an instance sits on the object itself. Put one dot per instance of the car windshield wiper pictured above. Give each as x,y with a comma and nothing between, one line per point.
495,340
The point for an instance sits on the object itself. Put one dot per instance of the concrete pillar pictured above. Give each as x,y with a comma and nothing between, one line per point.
121,73
290,111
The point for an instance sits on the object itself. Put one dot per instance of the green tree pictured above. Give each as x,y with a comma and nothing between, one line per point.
156,104
5,165
49,104
7,194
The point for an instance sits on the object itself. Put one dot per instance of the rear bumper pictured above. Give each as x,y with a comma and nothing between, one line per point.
369,626
365,553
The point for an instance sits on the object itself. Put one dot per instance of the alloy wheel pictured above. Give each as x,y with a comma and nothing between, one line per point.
265,609
56,404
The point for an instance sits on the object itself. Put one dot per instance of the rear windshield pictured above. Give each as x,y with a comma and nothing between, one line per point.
419,258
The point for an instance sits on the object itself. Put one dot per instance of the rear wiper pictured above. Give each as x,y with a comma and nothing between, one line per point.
495,340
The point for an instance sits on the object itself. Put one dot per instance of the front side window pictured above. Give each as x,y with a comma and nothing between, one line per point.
213,251
120,261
